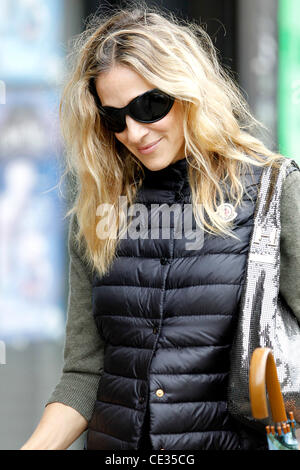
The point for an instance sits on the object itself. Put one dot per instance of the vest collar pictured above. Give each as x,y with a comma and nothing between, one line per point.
173,177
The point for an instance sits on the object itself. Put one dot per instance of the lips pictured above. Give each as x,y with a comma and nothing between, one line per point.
150,145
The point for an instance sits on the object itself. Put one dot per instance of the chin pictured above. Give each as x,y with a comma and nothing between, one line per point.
156,164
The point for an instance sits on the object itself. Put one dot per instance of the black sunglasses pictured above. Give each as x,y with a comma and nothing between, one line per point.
149,107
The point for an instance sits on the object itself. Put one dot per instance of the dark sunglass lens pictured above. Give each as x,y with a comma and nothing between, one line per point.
111,119
151,106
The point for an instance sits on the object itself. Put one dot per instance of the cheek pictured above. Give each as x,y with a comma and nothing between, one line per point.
173,129
172,123
165,125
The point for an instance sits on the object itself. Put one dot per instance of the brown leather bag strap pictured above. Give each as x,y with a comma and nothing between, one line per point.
263,377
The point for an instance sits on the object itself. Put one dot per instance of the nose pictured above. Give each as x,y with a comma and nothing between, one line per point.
135,130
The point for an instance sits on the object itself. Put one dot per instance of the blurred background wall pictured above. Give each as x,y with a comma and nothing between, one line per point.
259,41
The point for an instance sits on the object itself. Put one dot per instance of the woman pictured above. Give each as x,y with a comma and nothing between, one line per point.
148,115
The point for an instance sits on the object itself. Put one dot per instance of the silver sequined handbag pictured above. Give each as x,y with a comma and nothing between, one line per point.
265,319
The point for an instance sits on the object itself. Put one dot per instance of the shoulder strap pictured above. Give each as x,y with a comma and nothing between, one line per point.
261,287
264,245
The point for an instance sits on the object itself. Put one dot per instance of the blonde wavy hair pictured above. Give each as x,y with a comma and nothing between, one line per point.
179,58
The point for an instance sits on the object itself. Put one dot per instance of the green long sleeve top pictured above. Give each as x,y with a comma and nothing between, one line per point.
83,347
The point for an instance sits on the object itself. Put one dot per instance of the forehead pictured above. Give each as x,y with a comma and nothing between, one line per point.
120,85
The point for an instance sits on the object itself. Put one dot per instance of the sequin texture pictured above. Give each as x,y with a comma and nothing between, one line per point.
265,319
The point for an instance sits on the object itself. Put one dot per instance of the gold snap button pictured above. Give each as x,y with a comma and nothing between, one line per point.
160,393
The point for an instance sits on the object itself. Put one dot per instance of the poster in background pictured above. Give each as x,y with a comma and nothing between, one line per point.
31,49
32,248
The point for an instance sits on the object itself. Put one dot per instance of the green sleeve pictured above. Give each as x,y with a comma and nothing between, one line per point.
83,348
290,242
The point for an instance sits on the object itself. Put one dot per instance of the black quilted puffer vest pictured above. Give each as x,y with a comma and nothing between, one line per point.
167,315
